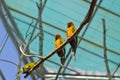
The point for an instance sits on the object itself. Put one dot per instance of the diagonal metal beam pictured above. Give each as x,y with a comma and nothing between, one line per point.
116,70
3,42
107,10
2,75
8,29
12,21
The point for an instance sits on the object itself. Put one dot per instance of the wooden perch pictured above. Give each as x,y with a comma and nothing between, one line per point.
85,21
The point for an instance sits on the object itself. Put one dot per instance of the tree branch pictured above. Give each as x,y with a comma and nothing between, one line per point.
105,50
87,19
21,50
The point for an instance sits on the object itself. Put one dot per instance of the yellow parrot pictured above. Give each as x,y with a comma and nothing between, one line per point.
61,52
70,30
24,69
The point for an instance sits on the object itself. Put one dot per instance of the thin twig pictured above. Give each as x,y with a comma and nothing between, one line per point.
89,14
27,34
105,50
116,70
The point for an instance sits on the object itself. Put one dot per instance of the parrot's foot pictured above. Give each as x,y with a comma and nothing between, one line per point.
62,65
73,55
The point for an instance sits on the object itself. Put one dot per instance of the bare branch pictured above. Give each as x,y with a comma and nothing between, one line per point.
87,19
23,53
105,50
27,34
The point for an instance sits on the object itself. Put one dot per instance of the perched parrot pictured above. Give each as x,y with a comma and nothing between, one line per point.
61,52
24,69
70,30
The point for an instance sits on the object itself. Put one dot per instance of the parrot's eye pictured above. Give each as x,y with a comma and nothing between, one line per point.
56,38
69,25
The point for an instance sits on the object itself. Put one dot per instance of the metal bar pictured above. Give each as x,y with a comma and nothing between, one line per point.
77,72
4,42
2,75
12,21
107,10
7,27
3,60
116,70
84,75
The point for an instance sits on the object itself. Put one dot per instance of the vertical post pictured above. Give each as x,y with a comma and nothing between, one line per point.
105,50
